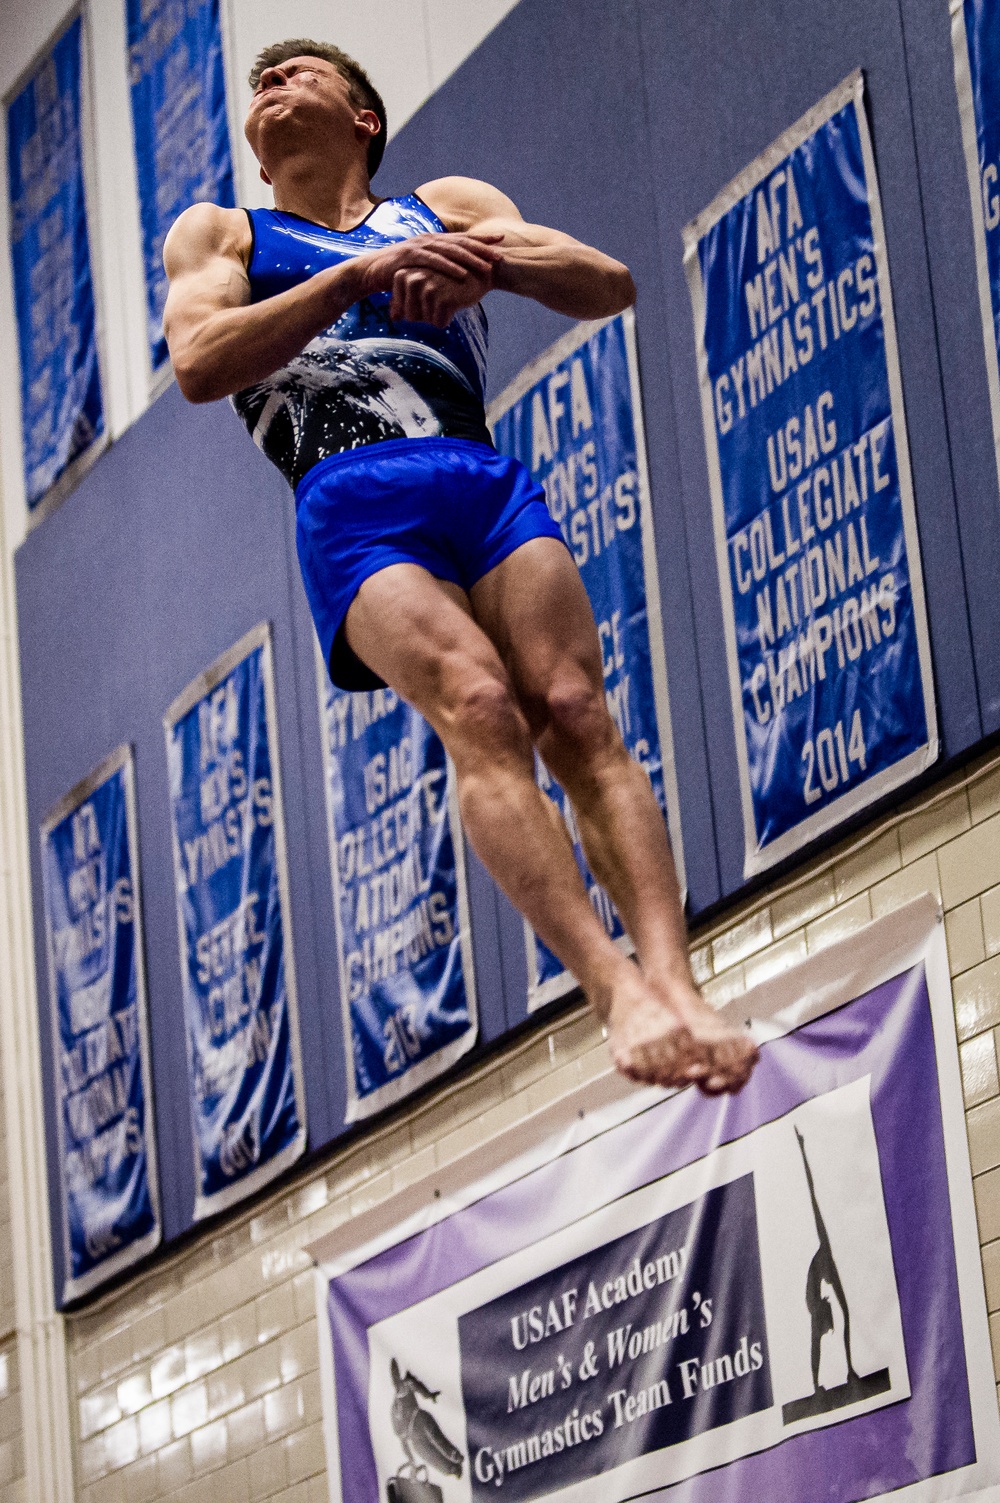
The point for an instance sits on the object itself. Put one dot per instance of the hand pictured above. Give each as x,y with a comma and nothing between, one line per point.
431,276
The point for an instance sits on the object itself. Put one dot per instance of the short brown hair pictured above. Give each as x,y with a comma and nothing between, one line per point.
363,92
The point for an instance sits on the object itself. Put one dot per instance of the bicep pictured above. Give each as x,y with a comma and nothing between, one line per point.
194,296
206,272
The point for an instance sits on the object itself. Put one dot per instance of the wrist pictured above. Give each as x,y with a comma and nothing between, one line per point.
505,276
346,286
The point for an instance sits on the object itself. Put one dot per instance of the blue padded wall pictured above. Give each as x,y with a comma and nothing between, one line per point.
616,123
554,115
947,220
177,542
635,150
713,106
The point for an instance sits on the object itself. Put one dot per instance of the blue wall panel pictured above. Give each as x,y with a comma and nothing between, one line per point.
723,81
617,123
539,111
179,541
948,228
126,592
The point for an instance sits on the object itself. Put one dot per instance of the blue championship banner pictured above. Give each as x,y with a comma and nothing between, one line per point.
401,906
182,151
775,1296
245,1074
812,499
574,418
975,34
97,993
62,413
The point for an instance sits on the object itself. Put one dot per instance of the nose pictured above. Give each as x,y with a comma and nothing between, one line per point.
272,76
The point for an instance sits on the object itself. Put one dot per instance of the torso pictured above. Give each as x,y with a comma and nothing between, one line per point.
366,378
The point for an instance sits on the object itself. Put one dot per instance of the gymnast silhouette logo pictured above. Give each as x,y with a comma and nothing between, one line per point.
420,1433
823,1285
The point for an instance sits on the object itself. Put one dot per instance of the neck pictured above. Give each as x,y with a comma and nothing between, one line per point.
336,195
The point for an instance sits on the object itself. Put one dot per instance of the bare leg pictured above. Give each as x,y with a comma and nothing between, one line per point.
535,608
419,635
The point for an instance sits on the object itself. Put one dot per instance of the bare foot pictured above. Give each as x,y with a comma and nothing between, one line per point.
649,1042
730,1053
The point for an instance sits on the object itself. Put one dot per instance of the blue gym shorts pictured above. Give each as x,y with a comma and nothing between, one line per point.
454,506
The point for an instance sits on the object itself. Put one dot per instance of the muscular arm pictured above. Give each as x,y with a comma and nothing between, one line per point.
219,342
553,268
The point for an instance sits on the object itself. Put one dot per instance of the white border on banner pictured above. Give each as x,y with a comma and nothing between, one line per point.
70,477
359,1108
970,148
850,91
204,683
122,759
539,994
844,971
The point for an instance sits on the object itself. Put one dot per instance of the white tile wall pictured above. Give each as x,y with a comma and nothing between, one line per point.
201,1381
11,1443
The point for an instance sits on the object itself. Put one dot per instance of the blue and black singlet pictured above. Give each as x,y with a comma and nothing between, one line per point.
367,377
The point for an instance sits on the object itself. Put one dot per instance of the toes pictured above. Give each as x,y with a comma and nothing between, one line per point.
717,1060
732,1063
668,1061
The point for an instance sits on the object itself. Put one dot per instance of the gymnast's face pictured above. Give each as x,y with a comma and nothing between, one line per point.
305,102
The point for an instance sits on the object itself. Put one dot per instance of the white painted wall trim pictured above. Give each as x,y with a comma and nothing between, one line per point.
41,1341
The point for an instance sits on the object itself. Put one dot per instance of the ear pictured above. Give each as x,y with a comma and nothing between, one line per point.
264,177
368,122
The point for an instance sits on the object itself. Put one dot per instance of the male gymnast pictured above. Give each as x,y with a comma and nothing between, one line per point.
349,334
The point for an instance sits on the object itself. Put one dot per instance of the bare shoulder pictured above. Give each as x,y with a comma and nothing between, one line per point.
461,202
203,233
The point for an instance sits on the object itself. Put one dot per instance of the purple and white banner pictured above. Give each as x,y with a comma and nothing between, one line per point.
777,1295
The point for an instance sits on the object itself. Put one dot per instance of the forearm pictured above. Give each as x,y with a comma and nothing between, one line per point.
231,348
569,278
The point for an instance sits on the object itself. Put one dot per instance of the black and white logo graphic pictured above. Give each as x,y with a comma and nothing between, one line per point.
420,1436
823,1285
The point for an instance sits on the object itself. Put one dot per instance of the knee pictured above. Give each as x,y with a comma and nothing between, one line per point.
577,730
484,714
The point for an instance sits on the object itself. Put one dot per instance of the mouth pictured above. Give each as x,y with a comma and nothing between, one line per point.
269,101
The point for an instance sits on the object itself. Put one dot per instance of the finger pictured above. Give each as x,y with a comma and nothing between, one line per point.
421,300
483,254
430,297
456,262
422,261
449,255
410,301
400,306
444,311
424,301
426,261
469,248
